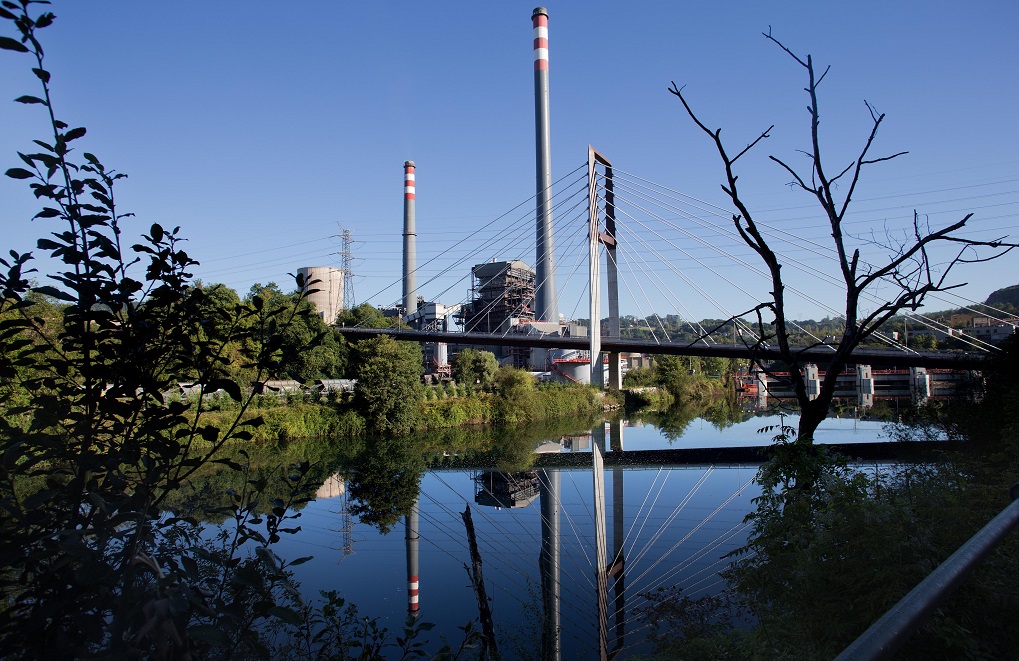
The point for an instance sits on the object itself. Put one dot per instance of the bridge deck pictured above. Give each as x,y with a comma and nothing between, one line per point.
820,355
914,451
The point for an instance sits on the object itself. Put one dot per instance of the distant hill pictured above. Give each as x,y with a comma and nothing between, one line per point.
1005,296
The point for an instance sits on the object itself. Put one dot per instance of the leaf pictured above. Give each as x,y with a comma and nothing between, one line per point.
286,614
210,634
47,290
45,20
19,173
74,134
92,572
48,212
190,566
7,43
265,555
156,232
42,75
228,385
30,99
301,561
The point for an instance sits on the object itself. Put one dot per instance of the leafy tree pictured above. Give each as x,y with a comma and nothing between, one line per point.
385,481
388,389
639,377
910,266
716,366
518,396
309,348
673,374
923,341
92,567
475,368
365,316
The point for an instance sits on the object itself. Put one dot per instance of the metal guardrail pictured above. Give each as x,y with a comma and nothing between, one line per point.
893,628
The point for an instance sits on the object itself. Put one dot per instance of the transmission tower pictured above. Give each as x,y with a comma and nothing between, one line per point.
346,265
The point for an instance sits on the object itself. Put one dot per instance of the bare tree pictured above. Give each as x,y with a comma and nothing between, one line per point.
904,264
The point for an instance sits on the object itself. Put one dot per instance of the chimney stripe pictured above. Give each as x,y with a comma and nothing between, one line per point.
540,22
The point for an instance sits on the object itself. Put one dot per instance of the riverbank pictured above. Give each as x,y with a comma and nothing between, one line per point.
439,408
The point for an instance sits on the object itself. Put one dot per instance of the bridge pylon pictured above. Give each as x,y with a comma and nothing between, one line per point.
599,238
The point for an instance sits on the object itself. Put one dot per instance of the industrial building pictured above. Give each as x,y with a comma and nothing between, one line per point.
502,294
328,299
502,299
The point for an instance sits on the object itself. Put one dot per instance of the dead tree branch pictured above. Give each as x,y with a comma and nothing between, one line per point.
908,264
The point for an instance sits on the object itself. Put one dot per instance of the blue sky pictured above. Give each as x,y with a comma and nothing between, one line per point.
260,127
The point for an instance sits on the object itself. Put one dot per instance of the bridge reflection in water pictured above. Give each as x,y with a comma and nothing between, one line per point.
519,490
609,602
601,548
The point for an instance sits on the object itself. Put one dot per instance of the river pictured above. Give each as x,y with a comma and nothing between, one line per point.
670,526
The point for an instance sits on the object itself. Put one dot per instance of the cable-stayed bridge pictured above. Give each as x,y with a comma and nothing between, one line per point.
648,249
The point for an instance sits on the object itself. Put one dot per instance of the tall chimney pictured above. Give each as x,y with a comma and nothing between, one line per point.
413,539
410,300
546,293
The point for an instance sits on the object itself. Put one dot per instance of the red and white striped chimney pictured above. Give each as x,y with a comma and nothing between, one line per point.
410,299
545,294
413,539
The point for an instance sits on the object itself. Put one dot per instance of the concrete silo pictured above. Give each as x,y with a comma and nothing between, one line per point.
328,300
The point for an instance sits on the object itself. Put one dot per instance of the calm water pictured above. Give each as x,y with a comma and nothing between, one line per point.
673,525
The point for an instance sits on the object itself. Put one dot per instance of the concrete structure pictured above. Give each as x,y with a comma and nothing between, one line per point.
433,316
413,539
506,490
546,305
409,239
865,384
502,294
328,300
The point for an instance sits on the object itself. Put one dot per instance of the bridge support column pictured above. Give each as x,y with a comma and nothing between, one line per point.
762,390
597,239
919,385
864,386
612,274
594,271
600,537
615,570
813,381
549,483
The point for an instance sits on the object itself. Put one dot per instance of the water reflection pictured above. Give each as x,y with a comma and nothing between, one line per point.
669,525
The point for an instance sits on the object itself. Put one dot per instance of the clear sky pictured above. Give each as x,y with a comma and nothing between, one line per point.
261,127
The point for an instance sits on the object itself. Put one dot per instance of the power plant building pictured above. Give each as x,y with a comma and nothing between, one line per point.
502,295
328,300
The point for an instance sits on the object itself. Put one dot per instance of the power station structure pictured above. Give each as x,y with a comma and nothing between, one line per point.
507,296
546,293
502,295
410,303
328,299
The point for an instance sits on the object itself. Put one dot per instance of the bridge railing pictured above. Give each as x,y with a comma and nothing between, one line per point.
889,632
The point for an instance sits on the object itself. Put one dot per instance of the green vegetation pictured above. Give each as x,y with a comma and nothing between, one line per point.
388,388
475,368
101,557
822,564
